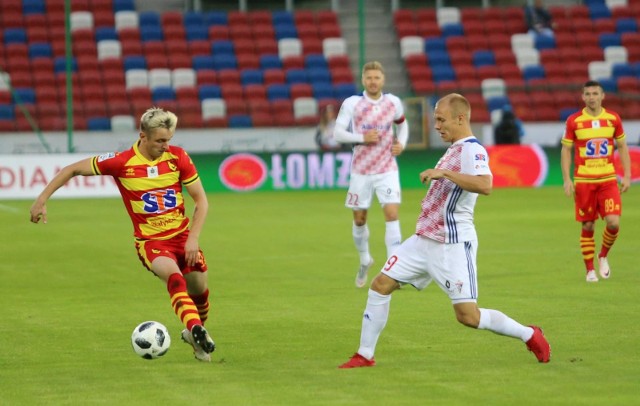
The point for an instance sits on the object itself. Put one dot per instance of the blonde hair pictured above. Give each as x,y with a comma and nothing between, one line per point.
156,117
458,105
373,65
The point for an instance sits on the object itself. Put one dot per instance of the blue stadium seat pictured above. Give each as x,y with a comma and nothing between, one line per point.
439,58
134,62
196,32
319,75
483,58
315,61
40,50
202,62
626,25
296,76
33,7
322,91
99,124
123,5
222,48
15,35
566,112
278,91
7,112
225,61
151,33
103,33
193,18
240,121
452,30
443,73
621,70
270,62
343,90
435,44
285,31
609,39
163,93
597,11
251,76
215,18
60,64
497,102
282,17
533,72
149,18
609,84
209,92
542,41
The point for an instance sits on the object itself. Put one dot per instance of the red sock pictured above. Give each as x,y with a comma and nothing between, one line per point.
608,238
181,302
202,303
588,248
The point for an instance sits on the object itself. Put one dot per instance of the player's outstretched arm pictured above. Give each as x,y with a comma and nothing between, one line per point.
199,196
625,160
39,208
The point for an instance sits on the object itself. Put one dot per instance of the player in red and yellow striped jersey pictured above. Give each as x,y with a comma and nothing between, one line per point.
593,133
150,177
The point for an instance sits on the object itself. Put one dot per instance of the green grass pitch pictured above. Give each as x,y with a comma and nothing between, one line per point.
285,312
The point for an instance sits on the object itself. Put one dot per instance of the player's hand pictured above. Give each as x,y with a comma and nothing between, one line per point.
191,251
396,147
625,184
569,189
371,137
38,211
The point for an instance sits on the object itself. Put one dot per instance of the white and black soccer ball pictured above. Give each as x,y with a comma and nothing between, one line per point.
150,340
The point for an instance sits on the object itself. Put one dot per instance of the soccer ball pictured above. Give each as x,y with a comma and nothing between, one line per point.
150,340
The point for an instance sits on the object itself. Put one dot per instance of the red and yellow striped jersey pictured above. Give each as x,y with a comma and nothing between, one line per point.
151,190
593,139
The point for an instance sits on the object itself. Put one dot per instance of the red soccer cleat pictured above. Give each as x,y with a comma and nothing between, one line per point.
538,345
358,361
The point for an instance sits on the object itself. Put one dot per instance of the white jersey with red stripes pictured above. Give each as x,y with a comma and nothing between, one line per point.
365,114
447,209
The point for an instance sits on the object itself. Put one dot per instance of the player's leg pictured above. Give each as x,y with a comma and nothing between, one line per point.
405,265
585,212
455,271
610,208
359,200
388,192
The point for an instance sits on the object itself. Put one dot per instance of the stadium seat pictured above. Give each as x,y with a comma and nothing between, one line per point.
493,87
213,108
447,15
183,77
410,45
305,111
278,91
599,70
289,47
123,123
334,46
615,54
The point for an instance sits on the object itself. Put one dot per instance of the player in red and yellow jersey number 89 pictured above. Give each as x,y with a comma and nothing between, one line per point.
590,137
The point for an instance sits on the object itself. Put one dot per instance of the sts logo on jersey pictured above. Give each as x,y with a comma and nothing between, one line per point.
597,147
159,201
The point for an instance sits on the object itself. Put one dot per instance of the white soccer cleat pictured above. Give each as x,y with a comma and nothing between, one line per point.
591,276
605,271
363,271
199,353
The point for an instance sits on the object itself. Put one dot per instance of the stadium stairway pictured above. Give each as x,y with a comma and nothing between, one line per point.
381,43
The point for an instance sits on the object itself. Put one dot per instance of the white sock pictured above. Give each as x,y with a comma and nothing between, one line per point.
361,239
500,323
373,321
392,236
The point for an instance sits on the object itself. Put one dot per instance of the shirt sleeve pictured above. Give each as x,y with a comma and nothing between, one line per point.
475,160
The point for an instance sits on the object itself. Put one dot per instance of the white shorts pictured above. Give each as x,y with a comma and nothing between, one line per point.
361,188
419,260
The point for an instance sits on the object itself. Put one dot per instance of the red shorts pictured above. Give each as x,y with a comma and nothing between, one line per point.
597,199
148,250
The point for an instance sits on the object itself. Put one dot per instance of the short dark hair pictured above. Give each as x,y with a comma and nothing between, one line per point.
591,83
